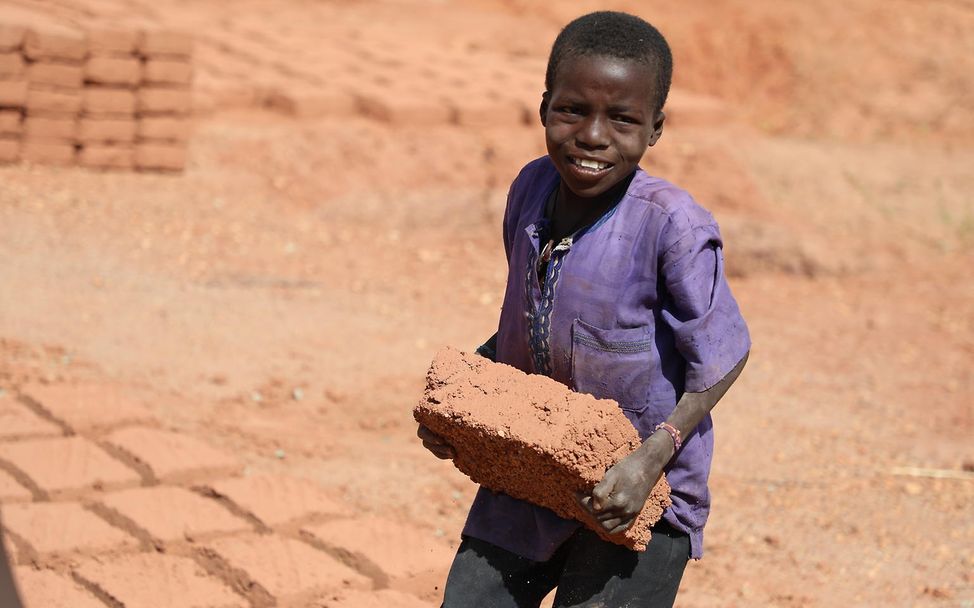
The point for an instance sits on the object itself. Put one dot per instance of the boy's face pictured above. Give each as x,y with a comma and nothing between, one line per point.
599,117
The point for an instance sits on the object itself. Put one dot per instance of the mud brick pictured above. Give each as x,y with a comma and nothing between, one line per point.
154,43
314,102
11,66
56,129
17,421
107,156
125,71
172,456
153,580
55,74
47,152
67,466
174,514
406,108
383,598
10,122
286,569
9,150
50,44
531,437
375,539
63,528
278,499
63,102
88,407
161,100
46,589
167,72
13,93
112,42
163,128
11,491
164,157
11,37
106,130
105,101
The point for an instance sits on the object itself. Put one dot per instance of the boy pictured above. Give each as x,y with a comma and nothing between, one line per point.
615,288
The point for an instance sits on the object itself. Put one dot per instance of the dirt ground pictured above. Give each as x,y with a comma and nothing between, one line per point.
281,300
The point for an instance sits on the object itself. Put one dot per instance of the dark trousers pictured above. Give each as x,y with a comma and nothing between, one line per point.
587,571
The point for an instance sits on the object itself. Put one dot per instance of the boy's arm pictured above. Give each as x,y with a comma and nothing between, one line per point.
619,497
711,337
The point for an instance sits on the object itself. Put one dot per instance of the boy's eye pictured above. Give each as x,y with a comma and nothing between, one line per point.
624,118
571,110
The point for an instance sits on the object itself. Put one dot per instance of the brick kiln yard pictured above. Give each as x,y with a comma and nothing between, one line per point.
208,376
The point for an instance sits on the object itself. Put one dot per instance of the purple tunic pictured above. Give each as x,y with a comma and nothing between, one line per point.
633,308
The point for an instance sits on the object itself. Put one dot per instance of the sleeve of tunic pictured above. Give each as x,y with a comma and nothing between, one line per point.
507,228
698,306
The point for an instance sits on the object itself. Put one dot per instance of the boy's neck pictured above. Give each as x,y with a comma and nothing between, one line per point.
571,208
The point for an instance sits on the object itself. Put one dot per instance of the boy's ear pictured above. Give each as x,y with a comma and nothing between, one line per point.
543,110
657,128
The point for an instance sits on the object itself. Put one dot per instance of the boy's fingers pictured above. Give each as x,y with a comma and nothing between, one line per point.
439,450
609,513
600,495
424,433
434,443
610,524
608,517
621,527
586,502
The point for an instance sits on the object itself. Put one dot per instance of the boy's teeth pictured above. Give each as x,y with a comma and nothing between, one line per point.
591,164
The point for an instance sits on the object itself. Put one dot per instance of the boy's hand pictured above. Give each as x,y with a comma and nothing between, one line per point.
619,497
434,443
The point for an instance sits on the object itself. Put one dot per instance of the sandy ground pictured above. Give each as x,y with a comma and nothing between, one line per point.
281,300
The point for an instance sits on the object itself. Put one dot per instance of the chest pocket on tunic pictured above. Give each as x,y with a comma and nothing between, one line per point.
613,364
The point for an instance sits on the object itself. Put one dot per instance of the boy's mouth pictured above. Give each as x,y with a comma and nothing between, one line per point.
589,165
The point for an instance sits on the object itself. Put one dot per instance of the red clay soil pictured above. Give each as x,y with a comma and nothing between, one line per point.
532,438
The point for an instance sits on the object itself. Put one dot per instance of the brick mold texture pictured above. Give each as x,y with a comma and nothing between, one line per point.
531,437
286,569
88,407
158,581
46,589
276,499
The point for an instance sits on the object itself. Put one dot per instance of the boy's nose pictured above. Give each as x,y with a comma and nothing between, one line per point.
593,133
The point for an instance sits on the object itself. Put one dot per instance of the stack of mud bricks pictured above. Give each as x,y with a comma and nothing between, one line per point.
105,99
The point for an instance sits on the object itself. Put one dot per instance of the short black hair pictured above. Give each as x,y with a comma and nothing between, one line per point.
617,35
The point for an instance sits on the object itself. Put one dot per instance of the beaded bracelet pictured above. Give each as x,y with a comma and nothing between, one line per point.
674,433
